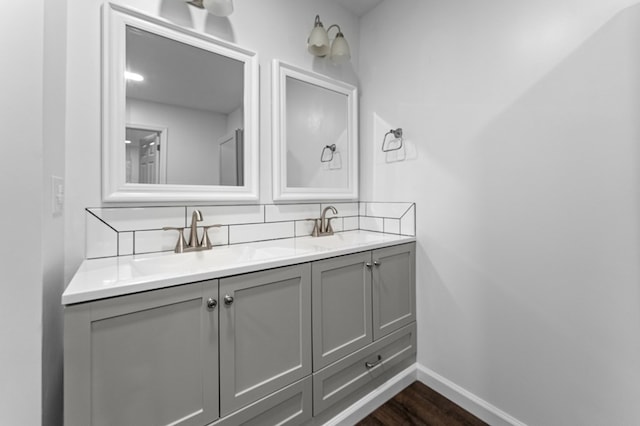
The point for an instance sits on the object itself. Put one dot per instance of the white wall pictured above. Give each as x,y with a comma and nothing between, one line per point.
522,127
53,225
21,168
274,29
192,139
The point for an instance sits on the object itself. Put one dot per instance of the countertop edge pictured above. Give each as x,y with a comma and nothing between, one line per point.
72,295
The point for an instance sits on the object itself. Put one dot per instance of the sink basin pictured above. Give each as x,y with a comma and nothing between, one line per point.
337,241
193,262
168,264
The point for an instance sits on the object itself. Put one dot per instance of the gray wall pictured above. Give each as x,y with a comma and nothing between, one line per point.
522,125
21,253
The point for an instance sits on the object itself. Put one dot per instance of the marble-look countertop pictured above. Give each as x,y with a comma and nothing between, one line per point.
117,276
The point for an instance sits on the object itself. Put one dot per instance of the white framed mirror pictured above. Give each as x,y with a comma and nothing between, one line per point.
180,113
315,136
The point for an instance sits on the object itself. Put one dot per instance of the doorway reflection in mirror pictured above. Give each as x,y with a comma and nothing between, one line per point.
179,94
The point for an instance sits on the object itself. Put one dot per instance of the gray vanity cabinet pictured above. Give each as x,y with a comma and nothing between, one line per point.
265,334
363,320
394,288
268,347
342,319
144,359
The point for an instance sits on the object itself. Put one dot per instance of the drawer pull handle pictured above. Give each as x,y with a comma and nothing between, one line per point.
368,265
370,365
212,303
377,262
228,300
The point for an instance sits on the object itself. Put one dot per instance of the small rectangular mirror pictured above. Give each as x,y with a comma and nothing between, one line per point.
180,113
315,153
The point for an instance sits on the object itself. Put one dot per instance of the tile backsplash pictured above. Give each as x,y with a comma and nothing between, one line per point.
122,231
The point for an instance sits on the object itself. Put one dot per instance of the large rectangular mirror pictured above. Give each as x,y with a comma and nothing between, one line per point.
315,136
180,113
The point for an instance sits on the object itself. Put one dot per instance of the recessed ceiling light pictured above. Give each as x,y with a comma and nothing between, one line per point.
133,76
127,141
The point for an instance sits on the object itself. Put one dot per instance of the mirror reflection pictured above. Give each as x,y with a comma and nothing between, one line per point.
317,137
184,113
315,134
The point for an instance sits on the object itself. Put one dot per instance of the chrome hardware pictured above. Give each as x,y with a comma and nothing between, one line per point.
228,300
193,244
181,241
325,226
370,365
377,262
316,223
332,149
322,226
212,303
206,242
196,217
368,265
397,135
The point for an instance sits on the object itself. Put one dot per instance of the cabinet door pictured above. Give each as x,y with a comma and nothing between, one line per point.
265,333
394,288
145,359
341,294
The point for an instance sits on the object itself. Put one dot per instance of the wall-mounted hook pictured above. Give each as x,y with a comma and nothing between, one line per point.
397,134
331,149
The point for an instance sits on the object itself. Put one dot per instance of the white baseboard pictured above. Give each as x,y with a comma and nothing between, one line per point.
374,399
467,400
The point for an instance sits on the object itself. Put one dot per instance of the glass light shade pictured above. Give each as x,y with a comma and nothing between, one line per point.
340,52
318,44
219,7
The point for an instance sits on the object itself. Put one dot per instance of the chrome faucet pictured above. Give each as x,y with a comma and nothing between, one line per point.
322,226
196,217
193,244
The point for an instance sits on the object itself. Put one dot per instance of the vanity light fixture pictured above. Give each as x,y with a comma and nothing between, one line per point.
318,43
133,76
214,7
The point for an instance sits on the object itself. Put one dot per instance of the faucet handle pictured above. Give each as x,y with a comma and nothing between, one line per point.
329,229
181,241
206,242
316,228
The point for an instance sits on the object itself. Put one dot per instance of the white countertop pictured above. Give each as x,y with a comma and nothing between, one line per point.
117,276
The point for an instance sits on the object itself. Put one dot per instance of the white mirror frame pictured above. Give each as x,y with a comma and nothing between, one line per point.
281,192
114,186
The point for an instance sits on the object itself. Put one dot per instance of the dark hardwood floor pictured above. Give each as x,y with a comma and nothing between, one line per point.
420,405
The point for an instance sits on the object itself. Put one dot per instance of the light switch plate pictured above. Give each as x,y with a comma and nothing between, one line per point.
57,195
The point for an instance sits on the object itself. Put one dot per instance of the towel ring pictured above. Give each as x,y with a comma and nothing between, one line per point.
332,149
397,134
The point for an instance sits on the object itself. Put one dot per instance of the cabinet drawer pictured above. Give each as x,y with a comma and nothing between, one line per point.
338,380
287,407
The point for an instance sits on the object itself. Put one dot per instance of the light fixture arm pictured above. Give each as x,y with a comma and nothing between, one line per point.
339,34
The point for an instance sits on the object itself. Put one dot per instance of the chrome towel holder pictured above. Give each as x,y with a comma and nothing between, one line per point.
331,148
397,134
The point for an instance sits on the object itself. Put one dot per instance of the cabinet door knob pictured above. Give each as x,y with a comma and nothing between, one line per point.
212,303
377,262
228,300
370,365
368,265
